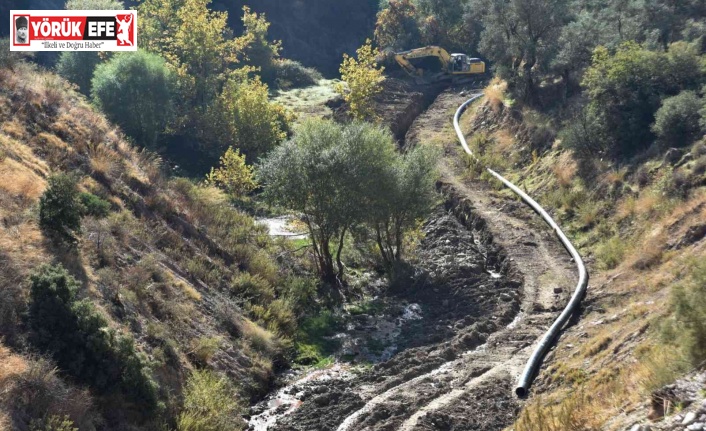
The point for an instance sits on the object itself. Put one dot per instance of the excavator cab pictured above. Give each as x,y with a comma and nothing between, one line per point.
461,64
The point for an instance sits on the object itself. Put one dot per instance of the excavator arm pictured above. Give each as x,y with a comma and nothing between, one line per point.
429,51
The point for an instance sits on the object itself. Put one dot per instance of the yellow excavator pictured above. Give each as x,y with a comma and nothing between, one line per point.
456,66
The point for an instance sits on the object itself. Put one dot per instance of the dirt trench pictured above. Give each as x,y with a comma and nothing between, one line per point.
489,278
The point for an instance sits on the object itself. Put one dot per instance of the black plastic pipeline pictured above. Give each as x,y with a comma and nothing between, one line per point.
547,340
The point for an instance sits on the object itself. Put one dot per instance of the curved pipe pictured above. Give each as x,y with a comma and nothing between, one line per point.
536,359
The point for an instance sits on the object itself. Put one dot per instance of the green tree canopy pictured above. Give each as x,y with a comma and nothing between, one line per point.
626,89
136,91
327,172
677,120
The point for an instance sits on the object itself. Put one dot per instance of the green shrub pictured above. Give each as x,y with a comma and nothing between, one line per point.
204,348
610,252
93,205
292,74
82,343
135,90
59,208
254,288
210,404
677,121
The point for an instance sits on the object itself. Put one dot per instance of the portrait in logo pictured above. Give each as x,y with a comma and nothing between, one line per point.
21,30
125,29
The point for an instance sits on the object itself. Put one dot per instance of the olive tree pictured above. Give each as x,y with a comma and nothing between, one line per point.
328,172
405,194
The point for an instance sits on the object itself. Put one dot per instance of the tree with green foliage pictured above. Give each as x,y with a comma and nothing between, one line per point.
677,120
218,104
397,27
81,341
328,172
136,91
233,174
243,117
198,46
625,89
520,37
60,209
363,81
404,195
78,67
210,404
255,47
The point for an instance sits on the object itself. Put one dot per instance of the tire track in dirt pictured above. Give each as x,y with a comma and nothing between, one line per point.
545,269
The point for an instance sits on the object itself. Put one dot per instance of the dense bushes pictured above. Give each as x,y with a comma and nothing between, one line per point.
242,117
93,205
677,121
78,67
82,343
135,90
625,91
232,174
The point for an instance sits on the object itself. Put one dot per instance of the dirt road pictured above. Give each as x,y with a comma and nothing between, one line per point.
490,279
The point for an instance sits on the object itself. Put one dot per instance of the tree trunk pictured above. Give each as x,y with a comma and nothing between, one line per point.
338,254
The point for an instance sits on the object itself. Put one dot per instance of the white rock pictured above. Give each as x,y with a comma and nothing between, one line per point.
689,418
696,426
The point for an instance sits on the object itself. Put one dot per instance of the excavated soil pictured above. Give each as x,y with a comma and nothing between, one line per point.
486,279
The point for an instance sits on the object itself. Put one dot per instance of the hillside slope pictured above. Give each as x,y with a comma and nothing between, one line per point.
172,264
640,229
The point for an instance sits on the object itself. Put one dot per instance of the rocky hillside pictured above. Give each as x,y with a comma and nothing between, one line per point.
165,262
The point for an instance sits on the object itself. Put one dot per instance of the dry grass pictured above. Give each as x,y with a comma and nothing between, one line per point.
258,338
53,150
650,252
576,412
495,93
504,141
646,203
614,176
10,366
103,160
565,169
190,292
20,182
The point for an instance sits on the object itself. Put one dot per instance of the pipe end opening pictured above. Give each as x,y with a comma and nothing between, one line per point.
521,392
